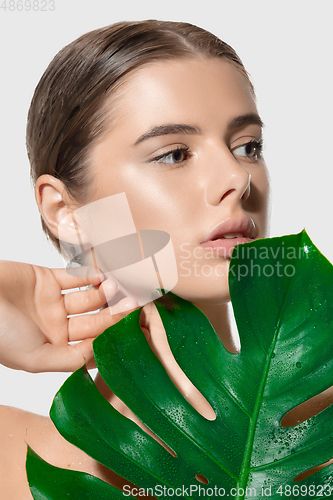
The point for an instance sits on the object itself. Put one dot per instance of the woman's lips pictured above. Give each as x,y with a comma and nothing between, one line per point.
224,246
226,235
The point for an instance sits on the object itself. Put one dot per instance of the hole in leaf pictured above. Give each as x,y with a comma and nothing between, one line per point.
201,478
233,345
124,410
309,472
120,406
308,409
158,342
112,478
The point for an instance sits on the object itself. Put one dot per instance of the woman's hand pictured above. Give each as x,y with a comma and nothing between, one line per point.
35,331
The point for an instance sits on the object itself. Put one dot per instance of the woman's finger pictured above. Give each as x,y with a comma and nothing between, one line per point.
51,358
92,325
91,299
88,276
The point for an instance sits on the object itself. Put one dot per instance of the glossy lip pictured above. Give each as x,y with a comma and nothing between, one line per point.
244,225
223,247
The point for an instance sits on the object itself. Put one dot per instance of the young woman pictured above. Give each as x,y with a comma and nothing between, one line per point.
165,113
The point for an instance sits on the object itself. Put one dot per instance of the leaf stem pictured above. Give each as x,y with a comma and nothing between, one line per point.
245,469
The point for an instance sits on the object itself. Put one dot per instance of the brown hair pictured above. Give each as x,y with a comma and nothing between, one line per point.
68,109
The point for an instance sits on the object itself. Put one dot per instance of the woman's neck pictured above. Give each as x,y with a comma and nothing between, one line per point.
219,317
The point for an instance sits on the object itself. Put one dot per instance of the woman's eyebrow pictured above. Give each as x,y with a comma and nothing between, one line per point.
178,128
168,129
243,120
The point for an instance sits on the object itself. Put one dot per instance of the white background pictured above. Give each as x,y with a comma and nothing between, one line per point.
287,48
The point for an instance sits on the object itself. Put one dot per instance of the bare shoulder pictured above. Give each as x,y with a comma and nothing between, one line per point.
14,430
19,428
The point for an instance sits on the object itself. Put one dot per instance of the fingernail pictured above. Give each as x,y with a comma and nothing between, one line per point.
101,275
131,304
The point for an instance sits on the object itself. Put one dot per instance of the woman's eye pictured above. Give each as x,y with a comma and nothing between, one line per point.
174,157
251,150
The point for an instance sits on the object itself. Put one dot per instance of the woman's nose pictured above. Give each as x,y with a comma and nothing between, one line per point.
229,179
240,193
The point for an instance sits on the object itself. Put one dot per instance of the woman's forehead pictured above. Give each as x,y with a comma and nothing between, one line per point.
182,89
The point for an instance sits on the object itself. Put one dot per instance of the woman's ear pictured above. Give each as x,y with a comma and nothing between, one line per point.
56,208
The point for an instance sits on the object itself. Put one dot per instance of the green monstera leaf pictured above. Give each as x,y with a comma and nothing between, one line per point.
282,295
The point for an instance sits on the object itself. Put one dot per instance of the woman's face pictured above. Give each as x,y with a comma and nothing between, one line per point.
178,148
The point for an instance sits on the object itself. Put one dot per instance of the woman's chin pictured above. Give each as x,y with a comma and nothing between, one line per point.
213,291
